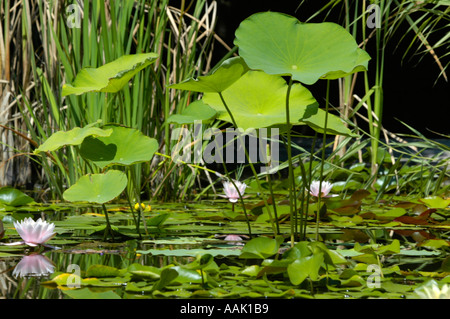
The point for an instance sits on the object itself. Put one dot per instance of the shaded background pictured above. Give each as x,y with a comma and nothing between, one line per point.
413,91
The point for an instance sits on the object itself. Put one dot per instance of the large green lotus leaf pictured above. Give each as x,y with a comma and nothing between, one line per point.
335,126
258,100
97,188
280,44
75,136
125,146
110,77
219,79
196,111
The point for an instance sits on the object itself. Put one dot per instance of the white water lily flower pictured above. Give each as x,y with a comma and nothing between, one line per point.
34,233
431,290
231,192
315,188
34,265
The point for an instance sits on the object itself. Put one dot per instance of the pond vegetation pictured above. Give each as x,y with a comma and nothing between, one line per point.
144,201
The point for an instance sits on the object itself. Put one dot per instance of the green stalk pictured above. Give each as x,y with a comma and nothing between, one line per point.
251,166
108,229
292,197
323,159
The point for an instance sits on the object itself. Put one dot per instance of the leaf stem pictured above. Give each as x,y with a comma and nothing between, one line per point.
323,159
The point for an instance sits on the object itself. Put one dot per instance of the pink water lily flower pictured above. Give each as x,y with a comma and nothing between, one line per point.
34,233
315,188
231,192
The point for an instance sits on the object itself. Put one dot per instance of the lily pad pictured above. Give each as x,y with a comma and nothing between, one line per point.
14,197
261,247
124,146
75,136
97,188
190,252
435,202
110,77
280,44
87,293
305,267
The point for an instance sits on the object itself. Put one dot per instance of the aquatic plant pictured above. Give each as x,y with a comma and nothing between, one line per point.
320,189
252,96
232,193
431,290
33,232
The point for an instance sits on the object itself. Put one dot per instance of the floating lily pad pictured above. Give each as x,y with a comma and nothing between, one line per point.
280,44
87,293
435,202
261,247
190,252
14,197
305,267
110,77
97,188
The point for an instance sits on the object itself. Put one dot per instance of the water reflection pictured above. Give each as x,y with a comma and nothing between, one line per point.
34,265
20,276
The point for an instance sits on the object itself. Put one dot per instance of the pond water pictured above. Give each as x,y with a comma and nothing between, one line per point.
82,265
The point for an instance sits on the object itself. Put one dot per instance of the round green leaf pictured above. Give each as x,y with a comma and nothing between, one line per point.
258,100
125,146
14,197
261,247
335,126
219,79
280,44
73,137
196,111
435,202
102,271
110,77
97,188
305,267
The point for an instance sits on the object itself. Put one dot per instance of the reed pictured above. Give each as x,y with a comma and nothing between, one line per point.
47,43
